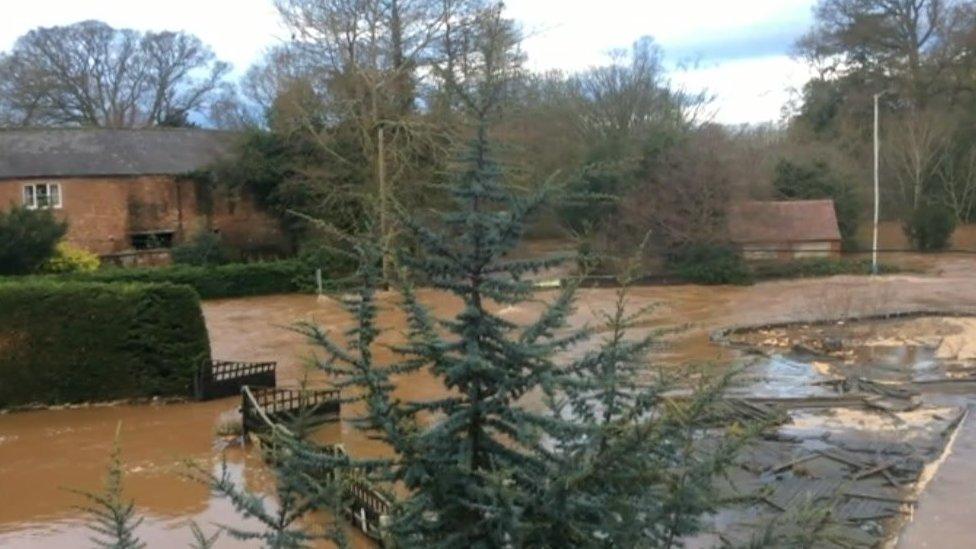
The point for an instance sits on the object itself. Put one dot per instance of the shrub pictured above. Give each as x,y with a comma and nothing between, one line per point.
930,227
232,280
203,249
709,264
27,239
336,267
814,267
66,342
68,259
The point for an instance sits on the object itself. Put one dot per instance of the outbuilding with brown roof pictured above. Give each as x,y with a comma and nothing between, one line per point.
785,229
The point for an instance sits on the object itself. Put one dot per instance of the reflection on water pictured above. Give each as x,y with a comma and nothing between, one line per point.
782,377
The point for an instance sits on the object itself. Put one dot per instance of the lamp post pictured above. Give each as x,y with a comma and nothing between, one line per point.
877,147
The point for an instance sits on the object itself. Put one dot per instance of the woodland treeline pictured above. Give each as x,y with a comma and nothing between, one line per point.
351,119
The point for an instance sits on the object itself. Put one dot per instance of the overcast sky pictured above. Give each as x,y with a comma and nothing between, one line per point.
738,51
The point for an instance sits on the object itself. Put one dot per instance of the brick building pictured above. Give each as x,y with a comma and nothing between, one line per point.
788,229
124,192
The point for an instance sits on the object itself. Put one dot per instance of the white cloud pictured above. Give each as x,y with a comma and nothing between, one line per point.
747,90
566,34
570,35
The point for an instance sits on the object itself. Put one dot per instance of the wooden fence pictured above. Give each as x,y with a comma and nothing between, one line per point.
263,409
222,378
268,408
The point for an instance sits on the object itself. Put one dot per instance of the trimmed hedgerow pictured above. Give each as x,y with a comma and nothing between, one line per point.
709,264
65,342
232,280
816,267
222,281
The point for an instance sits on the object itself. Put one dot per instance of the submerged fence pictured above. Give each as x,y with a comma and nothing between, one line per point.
222,378
267,410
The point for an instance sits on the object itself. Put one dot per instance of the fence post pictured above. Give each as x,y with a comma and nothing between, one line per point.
244,412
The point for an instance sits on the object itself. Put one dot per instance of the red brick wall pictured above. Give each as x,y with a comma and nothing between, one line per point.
102,212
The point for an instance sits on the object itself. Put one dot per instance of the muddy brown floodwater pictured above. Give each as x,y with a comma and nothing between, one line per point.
44,452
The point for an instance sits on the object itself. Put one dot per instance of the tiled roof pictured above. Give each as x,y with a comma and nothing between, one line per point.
783,221
95,152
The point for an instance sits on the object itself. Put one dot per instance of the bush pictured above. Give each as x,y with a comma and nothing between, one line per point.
232,280
27,239
67,342
930,227
709,264
335,265
68,259
815,267
203,249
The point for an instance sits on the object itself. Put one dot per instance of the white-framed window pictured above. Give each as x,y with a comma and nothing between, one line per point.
42,195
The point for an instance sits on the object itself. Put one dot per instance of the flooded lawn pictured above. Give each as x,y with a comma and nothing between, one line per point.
43,452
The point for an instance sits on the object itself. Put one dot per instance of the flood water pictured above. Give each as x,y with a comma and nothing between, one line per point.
44,452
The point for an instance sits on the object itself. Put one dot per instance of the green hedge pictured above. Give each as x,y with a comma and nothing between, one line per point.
64,342
233,280
815,267
708,264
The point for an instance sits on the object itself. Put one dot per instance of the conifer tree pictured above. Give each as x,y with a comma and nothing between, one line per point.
304,482
611,462
113,519
200,539
606,465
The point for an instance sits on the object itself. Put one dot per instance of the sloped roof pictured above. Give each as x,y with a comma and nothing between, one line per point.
95,152
783,221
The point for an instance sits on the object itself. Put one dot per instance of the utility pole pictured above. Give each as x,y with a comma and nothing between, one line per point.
384,208
877,148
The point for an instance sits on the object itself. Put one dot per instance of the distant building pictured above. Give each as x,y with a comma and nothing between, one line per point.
785,229
122,193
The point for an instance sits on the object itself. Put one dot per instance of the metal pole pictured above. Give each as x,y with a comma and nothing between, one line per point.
877,147
383,191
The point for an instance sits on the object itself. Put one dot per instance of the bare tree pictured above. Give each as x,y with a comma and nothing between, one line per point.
685,197
958,179
630,97
919,145
181,74
366,60
90,74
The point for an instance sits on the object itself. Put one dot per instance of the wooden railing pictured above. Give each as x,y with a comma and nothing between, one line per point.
222,370
221,378
261,411
368,508
253,416
292,401
268,408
